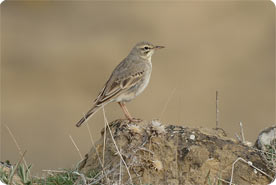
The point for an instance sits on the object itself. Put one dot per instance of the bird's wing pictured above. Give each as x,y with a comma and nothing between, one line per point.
114,87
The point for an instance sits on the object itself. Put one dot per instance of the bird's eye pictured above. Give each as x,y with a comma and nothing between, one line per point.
146,48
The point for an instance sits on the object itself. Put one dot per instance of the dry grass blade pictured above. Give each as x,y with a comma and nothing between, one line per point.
250,164
167,102
242,133
107,173
111,135
104,141
82,177
90,135
120,176
97,153
76,146
15,168
93,144
238,137
222,180
54,171
18,147
217,109
263,151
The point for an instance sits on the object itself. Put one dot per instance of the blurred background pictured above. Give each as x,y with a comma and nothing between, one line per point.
56,57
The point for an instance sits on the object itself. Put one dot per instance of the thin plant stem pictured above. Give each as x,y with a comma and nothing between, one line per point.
242,133
18,147
167,102
217,109
76,147
97,153
15,168
104,140
250,164
106,122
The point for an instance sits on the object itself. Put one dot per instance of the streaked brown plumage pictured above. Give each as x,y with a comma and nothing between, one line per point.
127,80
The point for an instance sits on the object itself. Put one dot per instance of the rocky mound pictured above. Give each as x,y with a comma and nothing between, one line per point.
152,153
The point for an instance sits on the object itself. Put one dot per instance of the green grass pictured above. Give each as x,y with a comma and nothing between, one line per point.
64,177
4,176
24,174
68,177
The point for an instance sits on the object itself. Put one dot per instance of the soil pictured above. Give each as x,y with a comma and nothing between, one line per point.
160,154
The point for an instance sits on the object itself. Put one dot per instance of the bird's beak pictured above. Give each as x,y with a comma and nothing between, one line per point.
159,47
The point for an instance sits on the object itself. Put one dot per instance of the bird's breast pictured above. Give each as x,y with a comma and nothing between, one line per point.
137,88
143,83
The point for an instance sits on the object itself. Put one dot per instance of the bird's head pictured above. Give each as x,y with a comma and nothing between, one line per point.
145,49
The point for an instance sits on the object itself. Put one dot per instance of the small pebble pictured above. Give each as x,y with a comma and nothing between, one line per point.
192,137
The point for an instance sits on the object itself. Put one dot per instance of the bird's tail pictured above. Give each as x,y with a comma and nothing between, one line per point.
90,113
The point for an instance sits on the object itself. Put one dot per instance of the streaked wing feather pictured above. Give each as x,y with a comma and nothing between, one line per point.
119,86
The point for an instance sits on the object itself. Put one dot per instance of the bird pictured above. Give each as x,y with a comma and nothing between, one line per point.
128,80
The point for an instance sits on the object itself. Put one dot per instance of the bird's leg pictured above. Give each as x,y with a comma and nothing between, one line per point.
127,114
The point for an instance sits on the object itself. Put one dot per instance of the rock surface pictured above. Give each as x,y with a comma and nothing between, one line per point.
160,154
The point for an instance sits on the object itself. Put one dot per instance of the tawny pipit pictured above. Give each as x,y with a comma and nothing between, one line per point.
128,80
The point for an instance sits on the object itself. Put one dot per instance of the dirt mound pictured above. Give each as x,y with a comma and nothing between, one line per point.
166,154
